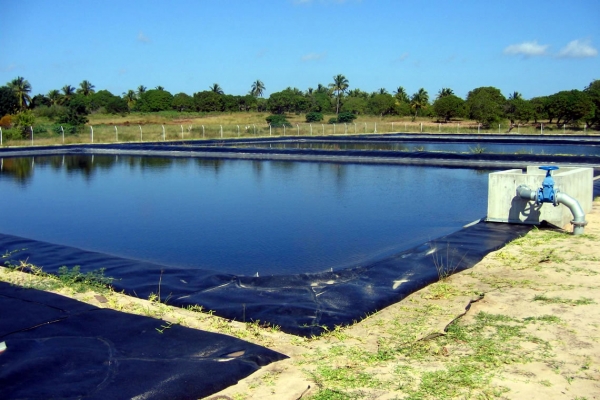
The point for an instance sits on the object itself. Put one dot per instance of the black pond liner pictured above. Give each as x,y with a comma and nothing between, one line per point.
304,304
56,347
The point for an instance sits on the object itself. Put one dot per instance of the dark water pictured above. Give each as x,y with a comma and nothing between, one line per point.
236,216
501,148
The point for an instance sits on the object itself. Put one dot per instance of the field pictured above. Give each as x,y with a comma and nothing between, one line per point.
170,126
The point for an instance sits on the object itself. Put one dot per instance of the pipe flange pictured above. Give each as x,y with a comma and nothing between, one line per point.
579,223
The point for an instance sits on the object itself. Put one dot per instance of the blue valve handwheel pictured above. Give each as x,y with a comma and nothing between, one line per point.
549,167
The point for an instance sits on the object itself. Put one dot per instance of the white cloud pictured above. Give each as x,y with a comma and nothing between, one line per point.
143,38
578,49
313,56
527,49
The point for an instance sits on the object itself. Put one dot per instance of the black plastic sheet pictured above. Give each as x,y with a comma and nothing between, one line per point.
57,347
303,304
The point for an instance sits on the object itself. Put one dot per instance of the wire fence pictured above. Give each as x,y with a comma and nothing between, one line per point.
127,133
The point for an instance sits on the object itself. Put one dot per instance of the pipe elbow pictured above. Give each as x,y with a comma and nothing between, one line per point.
578,221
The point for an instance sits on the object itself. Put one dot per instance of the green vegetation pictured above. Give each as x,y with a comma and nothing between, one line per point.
487,106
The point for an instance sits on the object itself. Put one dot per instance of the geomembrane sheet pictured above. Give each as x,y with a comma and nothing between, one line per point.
303,304
56,347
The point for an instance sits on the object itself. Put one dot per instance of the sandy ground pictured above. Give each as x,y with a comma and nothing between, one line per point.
523,323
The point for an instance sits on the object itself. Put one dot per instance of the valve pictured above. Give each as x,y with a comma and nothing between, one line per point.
547,193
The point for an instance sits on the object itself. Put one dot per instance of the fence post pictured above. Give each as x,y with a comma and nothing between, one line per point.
63,134
202,131
0,136
323,126
116,133
181,132
478,126
270,132
498,128
334,129
164,136
92,133
298,127
31,127
355,128
458,127
563,129
284,129
238,128
345,128
392,127
542,126
421,127
365,127
141,134
310,129
518,126
221,131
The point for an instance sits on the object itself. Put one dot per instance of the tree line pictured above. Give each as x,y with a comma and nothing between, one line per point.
70,106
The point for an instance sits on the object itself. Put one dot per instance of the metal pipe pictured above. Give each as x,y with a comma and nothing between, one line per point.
578,221
572,204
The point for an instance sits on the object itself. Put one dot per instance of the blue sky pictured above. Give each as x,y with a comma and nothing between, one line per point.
536,47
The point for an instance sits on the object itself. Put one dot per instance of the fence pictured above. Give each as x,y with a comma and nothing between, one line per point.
39,135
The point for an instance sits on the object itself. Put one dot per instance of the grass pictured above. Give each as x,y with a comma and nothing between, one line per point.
146,127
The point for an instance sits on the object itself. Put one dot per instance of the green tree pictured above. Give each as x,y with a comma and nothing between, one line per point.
448,106
54,96
381,104
485,105
208,101
182,102
86,88
419,101
540,107
21,88
39,100
444,92
515,96
68,92
76,112
354,105
216,88
9,103
161,88
518,110
593,91
570,106
141,90
154,100
339,86
130,98
401,95
257,89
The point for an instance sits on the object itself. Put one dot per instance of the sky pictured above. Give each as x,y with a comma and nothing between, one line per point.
535,47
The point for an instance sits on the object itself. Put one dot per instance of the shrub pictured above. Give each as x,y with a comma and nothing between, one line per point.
278,120
346,117
51,112
332,120
6,121
12,134
314,116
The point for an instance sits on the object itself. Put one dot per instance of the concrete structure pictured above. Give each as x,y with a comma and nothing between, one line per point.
504,205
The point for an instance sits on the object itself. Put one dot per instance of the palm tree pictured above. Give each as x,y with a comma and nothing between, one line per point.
141,90
86,88
401,95
21,88
445,92
68,92
321,89
130,97
419,100
339,86
257,88
54,96
160,87
216,88
382,91
515,96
